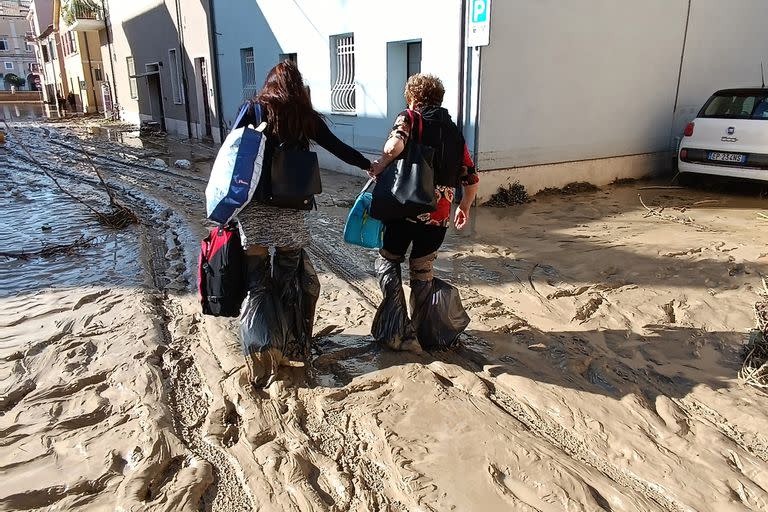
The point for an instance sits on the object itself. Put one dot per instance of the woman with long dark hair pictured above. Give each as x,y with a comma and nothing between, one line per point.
277,318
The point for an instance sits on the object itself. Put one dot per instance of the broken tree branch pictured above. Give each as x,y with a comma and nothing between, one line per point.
49,250
118,218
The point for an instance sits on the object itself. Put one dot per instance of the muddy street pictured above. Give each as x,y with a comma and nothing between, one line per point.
599,371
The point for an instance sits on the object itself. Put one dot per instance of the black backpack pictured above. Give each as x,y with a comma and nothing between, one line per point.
221,272
442,134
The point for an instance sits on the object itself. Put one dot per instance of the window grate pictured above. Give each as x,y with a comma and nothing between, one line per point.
132,82
176,87
343,74
248,64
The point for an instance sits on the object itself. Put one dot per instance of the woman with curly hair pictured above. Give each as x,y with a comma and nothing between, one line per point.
424,233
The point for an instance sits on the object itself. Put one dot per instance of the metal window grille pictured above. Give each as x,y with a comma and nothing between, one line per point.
343,74
178,93
248,63
132,84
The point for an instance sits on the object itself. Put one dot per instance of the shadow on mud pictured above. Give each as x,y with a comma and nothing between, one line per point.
669,361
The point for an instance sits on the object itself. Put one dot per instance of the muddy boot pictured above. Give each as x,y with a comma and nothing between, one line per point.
436,311
298,289
391,325
262,327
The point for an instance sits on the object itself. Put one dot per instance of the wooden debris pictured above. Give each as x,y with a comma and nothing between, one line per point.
49,250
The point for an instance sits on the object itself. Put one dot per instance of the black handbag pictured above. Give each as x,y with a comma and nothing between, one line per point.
406,188
294,178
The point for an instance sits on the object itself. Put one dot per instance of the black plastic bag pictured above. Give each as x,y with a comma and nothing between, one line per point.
437,313
391,325
298,288
263,325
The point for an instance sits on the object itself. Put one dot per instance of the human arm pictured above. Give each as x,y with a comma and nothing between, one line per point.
327,140
394,146
469,183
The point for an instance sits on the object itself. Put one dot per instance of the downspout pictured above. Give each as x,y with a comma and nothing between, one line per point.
476,143
213,36
183,52
107,22
672,136
56,14
90,70
462,66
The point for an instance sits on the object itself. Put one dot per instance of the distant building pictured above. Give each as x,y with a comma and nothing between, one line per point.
79,24
17,55
161,63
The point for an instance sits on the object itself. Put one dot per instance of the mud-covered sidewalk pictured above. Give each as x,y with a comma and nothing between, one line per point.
599,371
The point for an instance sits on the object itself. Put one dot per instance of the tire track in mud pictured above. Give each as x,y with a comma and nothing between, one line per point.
559,438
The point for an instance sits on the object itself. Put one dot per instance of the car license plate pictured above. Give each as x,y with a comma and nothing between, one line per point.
734,158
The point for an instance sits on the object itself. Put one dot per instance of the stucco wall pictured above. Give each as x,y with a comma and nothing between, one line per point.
567,81
147,30
304,27
726,43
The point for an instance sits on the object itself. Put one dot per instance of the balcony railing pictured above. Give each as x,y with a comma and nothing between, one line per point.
82,16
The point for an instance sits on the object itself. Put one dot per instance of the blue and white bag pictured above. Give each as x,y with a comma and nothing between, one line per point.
237,169
362,229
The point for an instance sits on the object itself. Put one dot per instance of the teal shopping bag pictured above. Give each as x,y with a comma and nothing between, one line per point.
362,229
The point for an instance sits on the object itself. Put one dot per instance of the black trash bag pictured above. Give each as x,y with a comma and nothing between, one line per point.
437,313
298,289
391,325
263,325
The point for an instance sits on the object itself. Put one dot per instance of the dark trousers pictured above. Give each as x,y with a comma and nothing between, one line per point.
400,234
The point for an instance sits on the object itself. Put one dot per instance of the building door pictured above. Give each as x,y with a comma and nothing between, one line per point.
203,69
156,99
414,58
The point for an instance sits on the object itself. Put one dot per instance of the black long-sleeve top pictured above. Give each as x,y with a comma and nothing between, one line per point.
327,140
324,138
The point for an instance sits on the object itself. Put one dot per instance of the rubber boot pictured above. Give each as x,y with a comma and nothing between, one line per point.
262,327
391,325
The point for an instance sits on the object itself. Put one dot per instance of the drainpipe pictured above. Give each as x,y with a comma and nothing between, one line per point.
183,52
113,82
90,71
477,110
213,36
462,65
672,135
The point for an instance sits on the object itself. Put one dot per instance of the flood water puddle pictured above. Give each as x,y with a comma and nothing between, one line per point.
36,216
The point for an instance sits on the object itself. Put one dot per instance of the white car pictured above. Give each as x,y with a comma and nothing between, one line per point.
729,137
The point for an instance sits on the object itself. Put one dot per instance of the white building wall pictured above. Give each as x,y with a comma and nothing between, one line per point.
586,90
726,43
304,27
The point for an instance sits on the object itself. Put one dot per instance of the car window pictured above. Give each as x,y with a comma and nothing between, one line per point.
761,111
736,106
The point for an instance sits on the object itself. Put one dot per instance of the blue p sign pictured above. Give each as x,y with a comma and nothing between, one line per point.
479,11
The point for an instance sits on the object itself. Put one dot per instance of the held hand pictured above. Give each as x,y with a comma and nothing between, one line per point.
462,217
376,169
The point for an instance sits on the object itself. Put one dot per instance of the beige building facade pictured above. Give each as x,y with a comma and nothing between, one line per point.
17,47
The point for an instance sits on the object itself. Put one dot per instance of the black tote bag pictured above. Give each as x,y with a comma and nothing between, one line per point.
295,178
406,188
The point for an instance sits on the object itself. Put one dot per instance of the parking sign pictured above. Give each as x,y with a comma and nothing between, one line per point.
479,26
